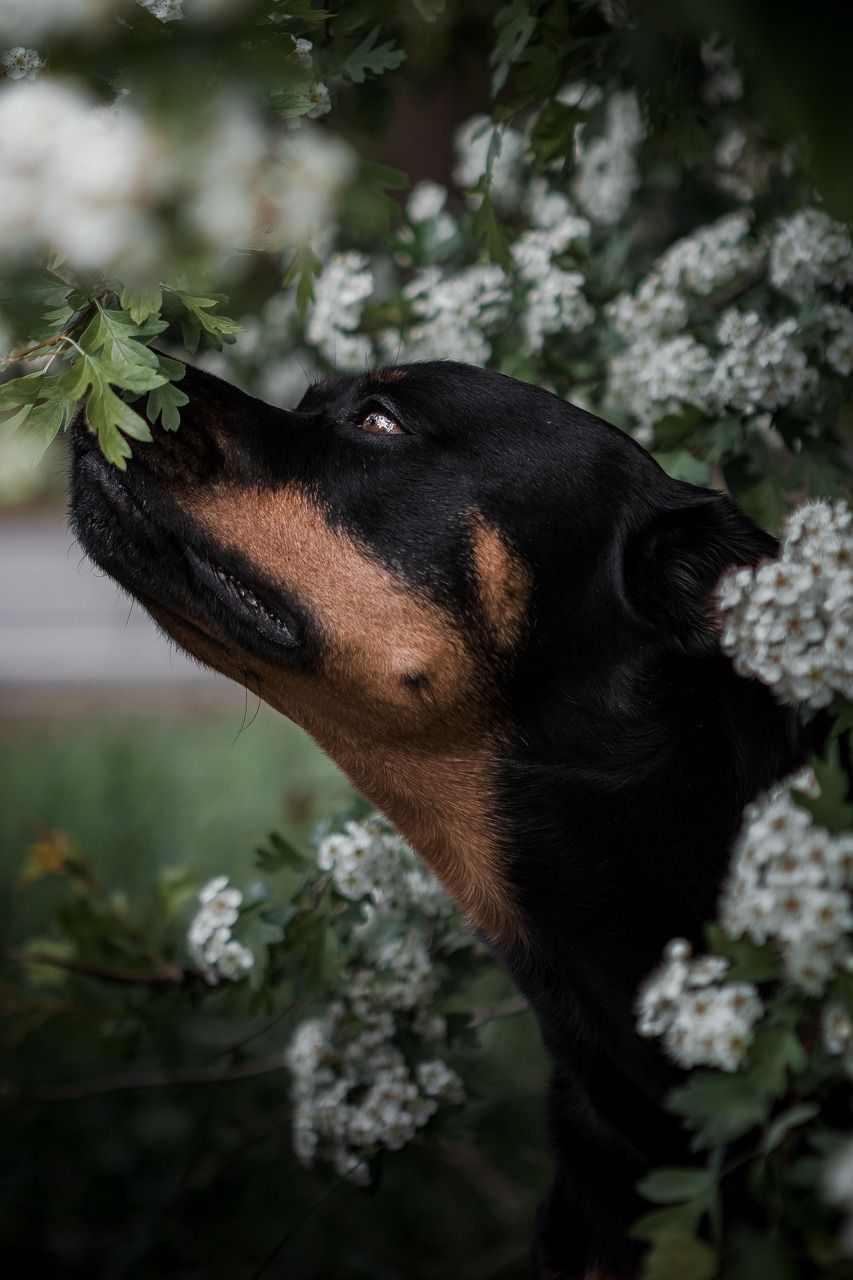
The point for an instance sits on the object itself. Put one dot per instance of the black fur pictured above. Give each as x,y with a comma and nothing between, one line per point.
631,746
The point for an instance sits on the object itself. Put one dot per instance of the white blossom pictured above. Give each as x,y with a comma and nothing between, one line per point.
703,1020
808,251
91,184
451,313
165,10
724,82
340,292
789,883
21,63
472,143
209,938
606,171
353,1091
789,621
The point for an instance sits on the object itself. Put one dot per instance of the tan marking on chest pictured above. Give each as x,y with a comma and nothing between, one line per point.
421,750
503,583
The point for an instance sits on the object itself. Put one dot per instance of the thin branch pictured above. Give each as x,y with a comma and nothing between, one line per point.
96,1086
77,321
469,1162
167,975
501,1009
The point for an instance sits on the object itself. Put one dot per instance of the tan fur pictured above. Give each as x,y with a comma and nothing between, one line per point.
398,703
503,583
392,373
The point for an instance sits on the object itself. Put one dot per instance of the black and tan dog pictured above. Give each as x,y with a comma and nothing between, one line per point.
493,611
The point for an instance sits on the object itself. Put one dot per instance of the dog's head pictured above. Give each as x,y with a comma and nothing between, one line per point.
414,565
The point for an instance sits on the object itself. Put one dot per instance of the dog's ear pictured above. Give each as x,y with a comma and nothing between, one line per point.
673,565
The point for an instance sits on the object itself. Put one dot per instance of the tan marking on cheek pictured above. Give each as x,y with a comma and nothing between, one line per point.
503,583
423,752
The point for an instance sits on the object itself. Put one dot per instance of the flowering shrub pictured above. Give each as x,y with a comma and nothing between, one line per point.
771,1005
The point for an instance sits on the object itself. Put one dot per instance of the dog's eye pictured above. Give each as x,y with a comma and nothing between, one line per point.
380,424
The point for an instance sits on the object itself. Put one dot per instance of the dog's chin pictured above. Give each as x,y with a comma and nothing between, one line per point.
173,573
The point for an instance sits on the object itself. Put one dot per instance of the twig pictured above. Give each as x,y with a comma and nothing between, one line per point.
167,975
468,1161
96,1086
80,318
501,1009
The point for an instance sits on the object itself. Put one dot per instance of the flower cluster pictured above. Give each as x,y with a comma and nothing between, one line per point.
453,313
209,938
789,621
473,143
235,185
339,297
607,173
809,251
704,1021
22,64
354,1089
790,883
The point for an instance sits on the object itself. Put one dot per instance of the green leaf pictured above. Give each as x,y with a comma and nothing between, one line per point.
218,328
749,961
371,59
165,403
671,430
42,406
782,1125
682,465
366,209
659,1222
304,268
142,301
552,137
117,336
678,1255
674,1185
830,809
280,853
514,25
772,1056
488,229
106,413
718,1108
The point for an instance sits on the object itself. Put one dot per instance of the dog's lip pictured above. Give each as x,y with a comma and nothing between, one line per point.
270,619
248,602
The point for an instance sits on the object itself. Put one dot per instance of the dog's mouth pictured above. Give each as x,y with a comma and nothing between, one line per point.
141,548
243,602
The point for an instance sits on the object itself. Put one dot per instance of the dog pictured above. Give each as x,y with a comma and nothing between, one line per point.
494,611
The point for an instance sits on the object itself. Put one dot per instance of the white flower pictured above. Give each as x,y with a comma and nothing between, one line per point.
234,961
606,171
702,1019
165,10
22,63
789,883
426,201
452,312
809,251
789,621
340,292
472,143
